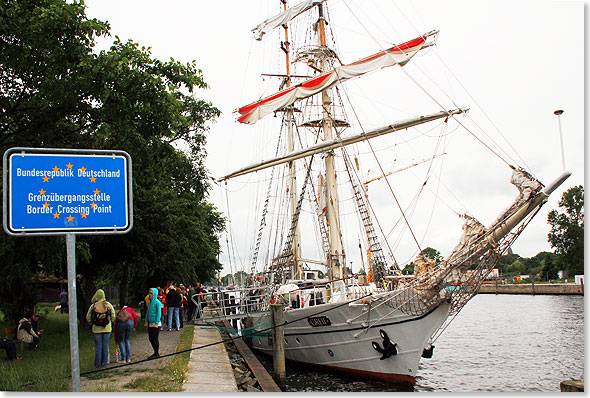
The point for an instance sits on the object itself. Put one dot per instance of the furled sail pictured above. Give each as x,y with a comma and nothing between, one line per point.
397,55
283,18
326,146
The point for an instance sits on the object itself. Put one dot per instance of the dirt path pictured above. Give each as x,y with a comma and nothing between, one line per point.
120,378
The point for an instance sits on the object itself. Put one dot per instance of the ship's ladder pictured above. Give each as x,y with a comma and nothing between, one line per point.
376,259
286,257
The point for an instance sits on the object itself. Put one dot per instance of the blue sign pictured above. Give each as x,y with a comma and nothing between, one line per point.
60,191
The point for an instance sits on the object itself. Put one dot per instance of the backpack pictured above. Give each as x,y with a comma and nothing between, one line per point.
101,314
123,316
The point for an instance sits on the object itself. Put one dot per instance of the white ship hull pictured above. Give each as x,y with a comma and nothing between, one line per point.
348,346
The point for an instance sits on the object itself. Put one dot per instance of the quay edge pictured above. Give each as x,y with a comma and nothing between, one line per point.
529,288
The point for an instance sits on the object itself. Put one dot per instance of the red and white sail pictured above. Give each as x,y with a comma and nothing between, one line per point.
397,55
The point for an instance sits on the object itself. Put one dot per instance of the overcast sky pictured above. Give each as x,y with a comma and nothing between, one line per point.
518,60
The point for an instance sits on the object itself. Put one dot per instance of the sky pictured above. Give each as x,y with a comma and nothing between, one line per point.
512,62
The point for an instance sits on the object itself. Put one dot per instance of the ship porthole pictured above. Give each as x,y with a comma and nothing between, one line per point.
297,340
286,342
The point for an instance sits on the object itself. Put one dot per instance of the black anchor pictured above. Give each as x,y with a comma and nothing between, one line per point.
427,352
389,349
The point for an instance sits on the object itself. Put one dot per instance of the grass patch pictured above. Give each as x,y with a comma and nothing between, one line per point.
178,367
49,367
172,376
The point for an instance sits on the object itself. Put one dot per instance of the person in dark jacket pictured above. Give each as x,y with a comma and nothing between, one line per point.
10,347
173,302
63,301
191,304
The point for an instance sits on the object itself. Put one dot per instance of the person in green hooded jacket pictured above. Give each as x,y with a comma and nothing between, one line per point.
153,321
102,334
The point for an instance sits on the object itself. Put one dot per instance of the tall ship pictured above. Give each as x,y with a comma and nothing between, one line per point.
332,191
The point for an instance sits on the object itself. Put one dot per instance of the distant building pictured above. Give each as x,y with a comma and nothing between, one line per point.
495,273
522,277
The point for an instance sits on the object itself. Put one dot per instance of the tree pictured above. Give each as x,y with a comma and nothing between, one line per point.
56,92
567,230
433,254
42,44
551,266
409,269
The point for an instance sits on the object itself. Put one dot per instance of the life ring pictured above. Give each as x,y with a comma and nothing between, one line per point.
302,301
273,299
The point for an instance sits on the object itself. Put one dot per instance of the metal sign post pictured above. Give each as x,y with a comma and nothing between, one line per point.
73,311
48,191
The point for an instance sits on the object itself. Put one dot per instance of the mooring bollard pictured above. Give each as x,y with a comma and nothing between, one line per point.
572,386
278,343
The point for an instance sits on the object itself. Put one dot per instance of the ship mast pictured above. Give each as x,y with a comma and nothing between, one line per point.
336,258
289,117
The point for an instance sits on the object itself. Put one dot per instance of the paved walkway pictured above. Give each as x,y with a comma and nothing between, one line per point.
140,349
209,369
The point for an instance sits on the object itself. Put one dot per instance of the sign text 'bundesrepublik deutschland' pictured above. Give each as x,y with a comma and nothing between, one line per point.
61,192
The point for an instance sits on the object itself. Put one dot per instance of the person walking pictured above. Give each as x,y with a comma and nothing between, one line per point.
125,323
153,321
101,315
162,298
63,301
191,304
184,306
173,304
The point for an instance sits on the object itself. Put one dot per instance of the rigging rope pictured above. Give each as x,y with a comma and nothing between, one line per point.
423,89
484,112
387,181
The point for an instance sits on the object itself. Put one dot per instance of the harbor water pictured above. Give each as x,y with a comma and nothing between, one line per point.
498,343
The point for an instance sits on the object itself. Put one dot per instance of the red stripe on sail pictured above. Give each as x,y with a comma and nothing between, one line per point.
308,84
248,108
402,47
316,81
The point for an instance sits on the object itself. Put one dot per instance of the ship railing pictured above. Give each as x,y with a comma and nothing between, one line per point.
321,293
412,296
232,303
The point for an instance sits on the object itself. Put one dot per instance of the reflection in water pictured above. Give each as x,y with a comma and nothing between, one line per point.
501,343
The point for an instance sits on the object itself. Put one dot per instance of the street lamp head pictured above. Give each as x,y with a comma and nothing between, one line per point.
558,112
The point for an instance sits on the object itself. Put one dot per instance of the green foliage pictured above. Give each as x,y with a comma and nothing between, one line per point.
551,266
47,369
567,230
431,253
55,91
544,264
409,269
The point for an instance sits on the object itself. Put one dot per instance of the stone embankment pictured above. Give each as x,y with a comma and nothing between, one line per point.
530,288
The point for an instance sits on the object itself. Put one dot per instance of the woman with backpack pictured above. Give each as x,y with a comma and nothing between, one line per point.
125,323
101,315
